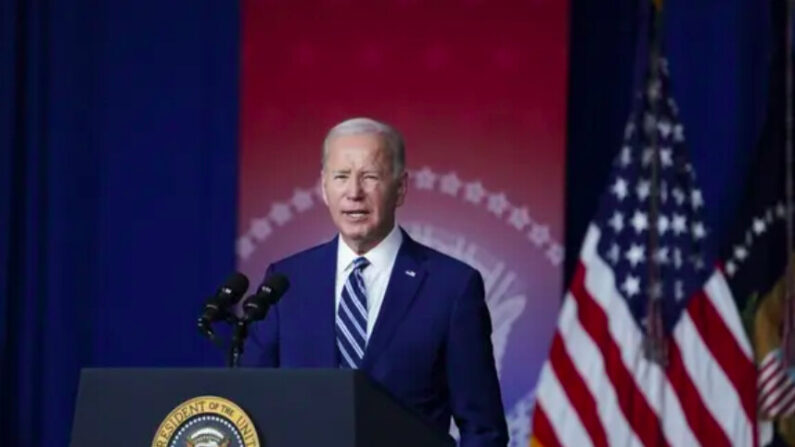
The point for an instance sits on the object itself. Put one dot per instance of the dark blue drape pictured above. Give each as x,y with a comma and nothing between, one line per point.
118,131
718,53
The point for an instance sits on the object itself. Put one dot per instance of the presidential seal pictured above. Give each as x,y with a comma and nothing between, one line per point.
206,421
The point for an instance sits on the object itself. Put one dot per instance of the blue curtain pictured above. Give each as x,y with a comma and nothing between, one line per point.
718,53
118,131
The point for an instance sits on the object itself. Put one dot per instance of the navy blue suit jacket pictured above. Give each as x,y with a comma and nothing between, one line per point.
430,346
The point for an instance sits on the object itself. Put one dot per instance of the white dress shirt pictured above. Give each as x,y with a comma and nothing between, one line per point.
376,275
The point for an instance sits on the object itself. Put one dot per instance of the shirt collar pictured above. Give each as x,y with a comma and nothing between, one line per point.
379,256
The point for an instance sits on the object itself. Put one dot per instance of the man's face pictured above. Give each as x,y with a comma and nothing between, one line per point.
361,190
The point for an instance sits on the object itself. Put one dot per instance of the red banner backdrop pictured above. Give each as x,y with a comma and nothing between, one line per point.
478,88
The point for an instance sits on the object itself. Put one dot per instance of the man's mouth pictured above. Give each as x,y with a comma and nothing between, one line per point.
356,213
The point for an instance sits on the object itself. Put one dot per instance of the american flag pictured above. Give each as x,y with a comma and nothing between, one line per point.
645,245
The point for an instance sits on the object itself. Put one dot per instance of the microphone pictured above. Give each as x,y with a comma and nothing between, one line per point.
227,295
256,306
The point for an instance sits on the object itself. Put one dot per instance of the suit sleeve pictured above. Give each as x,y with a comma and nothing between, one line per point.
471,373
262,346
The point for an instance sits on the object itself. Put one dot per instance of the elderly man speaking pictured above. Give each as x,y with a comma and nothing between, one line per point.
411,318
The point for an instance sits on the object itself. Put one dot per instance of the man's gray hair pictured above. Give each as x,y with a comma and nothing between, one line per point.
368,126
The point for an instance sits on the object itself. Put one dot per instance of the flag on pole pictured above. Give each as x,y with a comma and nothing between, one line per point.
642,277
759,251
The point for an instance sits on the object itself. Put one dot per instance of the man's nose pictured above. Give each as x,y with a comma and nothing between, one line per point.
353,190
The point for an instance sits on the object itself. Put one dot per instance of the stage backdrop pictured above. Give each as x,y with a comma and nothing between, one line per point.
478,89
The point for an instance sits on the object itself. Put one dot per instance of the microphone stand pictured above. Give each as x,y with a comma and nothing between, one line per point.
239,335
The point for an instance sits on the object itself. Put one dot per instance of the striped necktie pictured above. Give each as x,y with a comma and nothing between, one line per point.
351,321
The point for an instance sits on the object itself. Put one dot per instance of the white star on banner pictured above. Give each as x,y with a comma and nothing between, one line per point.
679,196
635,255
679,133
640,222
666,157
301,200
677,258
244,247
661,256
626,156
498,203
679,293
474,192
450,184
519,218
679,224
261,228
425,178
555,254
740,252
696,199
614,254
664,126
699,232
642,190
617,222
620,188
280,213
662,224
759,226
631,286
539,234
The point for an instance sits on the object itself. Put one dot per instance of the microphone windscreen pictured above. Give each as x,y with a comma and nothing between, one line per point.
234,287
274,287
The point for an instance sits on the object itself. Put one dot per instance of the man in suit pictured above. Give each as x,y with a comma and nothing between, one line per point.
411,318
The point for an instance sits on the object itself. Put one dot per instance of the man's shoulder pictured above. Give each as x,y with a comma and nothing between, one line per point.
437,260
299,260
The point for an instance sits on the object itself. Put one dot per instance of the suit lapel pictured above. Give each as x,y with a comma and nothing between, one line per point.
404,283
319,312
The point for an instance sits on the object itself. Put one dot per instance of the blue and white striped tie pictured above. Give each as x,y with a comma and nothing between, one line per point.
351,321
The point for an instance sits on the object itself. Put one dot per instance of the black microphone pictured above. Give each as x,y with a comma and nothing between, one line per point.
256,306
217,307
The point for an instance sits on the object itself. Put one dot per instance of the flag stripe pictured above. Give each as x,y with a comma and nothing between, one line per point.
780,401
768,367
587,359
699,418
774,382
721,340
720,297
789,407
632,402
564,420
542,430
579,396
778,385
715,390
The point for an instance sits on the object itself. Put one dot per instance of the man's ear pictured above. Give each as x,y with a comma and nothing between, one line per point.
402,188
323,187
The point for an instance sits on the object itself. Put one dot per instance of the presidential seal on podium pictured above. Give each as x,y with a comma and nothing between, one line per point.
207,421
